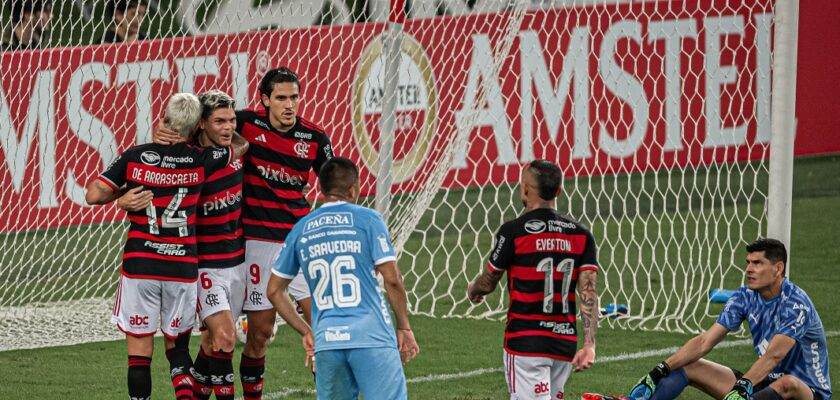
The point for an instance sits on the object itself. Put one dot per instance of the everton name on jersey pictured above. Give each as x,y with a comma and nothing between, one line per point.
338,247
276,170
161,240
543,252
792,314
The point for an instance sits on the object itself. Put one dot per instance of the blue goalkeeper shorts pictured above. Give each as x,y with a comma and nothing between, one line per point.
375,372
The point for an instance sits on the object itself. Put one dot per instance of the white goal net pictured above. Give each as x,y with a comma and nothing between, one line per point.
658,112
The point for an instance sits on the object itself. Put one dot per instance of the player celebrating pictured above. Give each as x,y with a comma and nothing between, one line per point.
284,148
788,337
221,248
546,255
340,247
159,268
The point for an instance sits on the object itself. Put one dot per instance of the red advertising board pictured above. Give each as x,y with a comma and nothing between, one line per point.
600,90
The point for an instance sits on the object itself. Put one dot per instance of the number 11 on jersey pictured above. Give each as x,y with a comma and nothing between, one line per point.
566,266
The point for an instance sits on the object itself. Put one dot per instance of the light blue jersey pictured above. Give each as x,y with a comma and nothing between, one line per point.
791,314
339,246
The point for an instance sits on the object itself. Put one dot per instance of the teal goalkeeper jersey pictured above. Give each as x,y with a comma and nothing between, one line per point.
338,246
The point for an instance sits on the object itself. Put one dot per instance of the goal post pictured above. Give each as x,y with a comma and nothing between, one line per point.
660,114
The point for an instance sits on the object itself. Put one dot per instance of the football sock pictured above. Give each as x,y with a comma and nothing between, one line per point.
221,374
139,377
180,366
766,394
251,373
670,386
201,374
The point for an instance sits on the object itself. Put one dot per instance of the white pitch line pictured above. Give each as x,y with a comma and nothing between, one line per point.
459,375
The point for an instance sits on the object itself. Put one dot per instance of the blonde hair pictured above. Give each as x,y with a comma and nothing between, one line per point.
183,113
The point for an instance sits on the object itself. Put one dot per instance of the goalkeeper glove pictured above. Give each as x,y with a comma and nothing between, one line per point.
647,385
742,390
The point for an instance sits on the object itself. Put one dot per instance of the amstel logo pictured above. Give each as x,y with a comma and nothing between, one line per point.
416,109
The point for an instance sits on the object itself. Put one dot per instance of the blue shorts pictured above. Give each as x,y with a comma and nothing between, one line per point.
376,372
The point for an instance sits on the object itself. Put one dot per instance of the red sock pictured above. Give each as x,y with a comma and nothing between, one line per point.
221,374
251,372
179,367
203,388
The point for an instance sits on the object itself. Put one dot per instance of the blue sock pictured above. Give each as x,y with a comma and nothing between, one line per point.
766,394
671,386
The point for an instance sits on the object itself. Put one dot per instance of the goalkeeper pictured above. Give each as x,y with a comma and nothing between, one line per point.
787,334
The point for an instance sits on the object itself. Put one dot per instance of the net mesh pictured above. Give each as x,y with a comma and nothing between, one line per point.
657,112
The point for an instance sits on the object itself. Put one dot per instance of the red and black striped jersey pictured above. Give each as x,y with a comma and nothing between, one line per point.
161,242
221,243
276,170
543,252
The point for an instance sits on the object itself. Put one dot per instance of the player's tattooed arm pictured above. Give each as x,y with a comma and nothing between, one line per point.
483,284
588,300
240,145
100,193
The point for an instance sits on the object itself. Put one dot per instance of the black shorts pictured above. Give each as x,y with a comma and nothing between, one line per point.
767,381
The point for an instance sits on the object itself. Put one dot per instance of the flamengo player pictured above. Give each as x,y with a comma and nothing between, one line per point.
341,247
546,255
284,148
221,249
159,269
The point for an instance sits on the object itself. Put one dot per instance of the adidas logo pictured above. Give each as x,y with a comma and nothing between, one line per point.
261,138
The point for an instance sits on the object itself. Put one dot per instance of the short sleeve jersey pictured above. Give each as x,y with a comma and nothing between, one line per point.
792,314
338,246
276,170
221,243
543,252
161,242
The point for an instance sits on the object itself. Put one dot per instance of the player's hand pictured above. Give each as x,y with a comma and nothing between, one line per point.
647,385
741,391
165,135
584,358
407,345
135,199
309,346
473,299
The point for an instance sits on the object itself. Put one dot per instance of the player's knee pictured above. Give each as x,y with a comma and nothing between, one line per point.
785,386
224,340
259,336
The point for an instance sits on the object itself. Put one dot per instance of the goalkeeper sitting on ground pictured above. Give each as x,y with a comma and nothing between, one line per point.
787,334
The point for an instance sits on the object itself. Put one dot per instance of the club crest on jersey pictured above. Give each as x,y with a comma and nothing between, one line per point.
535,226
302,149
150,158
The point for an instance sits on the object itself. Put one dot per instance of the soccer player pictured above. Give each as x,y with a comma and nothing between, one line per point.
221,251
340,247
547,256
159,269
284,147
787,333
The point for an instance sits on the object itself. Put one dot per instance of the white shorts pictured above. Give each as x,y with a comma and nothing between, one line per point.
535,377
259,261
143,304
220,289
